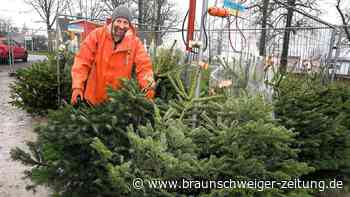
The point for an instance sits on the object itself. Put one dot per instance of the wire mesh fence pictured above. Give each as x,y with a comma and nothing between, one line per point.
15,44
239,47
235,45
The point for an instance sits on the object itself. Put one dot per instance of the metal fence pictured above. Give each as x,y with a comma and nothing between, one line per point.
307,43
234,44
15,44
240,38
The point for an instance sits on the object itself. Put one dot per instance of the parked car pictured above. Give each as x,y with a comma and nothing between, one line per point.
19,52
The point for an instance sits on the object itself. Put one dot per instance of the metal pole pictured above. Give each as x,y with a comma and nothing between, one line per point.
191,20
336,56
9,43
200,55
331,45
58,66
220,38
190,31
11,55
155,36
202,39
86,8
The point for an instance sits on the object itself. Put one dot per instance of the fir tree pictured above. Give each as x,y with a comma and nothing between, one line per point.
100,151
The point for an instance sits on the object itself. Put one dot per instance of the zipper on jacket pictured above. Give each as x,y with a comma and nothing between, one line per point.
127,57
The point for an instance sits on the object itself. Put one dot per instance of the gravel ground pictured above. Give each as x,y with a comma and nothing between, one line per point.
16,127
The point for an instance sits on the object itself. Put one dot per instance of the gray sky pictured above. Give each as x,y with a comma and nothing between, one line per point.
21,13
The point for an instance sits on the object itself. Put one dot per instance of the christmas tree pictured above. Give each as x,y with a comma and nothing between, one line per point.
100,151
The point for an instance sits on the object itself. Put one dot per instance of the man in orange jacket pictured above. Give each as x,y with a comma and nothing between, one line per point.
108,54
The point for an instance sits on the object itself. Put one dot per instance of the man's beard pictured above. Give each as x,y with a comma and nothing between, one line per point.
118,34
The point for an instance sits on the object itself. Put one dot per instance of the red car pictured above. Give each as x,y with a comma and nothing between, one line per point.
18,51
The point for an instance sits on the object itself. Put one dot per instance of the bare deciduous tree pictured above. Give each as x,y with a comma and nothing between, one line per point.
157,16
292,5
92,9
269,15
279,14
286,37
48,11
345,17
262,47
4,25
111,4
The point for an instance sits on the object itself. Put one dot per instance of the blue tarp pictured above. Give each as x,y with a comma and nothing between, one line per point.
234,6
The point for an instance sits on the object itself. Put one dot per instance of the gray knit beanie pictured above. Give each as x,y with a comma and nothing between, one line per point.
123,12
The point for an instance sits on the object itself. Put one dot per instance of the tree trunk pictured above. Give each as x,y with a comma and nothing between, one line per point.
285,49
345,20
262,47
141,15
49,40
220,38
158,22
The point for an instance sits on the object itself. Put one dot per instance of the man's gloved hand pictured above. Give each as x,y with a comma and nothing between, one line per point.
150,94
75,94
150,90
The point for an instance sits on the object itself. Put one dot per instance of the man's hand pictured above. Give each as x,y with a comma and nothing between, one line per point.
150,89
75,94
150,95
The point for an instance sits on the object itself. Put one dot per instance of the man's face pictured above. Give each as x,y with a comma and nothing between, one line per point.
120,27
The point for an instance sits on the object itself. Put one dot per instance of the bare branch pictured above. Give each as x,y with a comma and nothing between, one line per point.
344,19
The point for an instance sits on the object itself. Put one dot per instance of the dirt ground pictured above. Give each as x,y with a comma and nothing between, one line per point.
16,127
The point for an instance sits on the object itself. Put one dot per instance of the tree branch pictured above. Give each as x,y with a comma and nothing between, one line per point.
343,20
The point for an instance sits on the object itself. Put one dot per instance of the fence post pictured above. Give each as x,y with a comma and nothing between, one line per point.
331,45
201,38
10,55
200,55
58,58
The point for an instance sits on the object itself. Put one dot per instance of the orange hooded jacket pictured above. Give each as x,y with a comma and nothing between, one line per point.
97,66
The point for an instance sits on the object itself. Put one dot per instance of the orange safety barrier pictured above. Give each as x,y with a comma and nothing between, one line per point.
221,12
